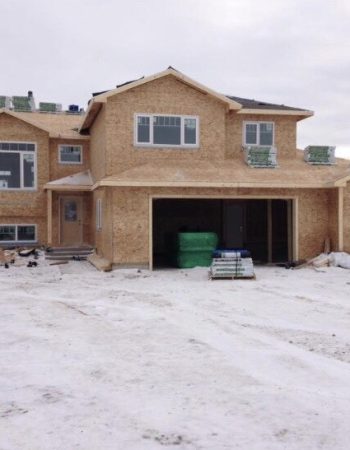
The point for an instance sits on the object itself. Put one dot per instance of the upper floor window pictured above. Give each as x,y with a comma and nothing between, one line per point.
258,133
70,154
17,165
166,130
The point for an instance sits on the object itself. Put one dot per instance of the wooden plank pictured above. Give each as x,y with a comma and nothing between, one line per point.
100,263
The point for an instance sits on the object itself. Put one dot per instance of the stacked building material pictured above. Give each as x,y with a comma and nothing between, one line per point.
232,264
260,155
50,107
195,249
319,155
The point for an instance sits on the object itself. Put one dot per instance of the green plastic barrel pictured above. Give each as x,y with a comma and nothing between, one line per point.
190,259
199,241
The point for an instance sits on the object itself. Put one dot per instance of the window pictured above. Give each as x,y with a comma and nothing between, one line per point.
166,131
17,165
17,233
258,133
99,214
70,154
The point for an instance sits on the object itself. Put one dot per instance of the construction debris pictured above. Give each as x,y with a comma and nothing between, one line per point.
57,263
335,259
27,252
100,263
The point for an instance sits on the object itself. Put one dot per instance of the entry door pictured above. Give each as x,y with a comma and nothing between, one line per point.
71,220
233,224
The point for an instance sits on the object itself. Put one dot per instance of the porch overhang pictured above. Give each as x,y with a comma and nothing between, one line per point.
81,181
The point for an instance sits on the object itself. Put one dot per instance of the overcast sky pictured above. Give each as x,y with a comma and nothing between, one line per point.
295,52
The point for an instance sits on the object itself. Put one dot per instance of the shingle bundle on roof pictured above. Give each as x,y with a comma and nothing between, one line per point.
319,155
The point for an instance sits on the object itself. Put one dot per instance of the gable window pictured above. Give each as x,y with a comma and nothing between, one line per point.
258,133
17,165
17,233
158,130
70,154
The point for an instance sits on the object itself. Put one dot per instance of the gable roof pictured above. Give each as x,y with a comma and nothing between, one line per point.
97,101
239,104
56,125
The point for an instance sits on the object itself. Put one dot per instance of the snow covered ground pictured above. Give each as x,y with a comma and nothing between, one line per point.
134,360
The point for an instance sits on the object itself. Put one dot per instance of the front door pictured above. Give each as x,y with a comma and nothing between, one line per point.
71,231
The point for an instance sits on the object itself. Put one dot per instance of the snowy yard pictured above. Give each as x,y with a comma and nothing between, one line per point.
133,360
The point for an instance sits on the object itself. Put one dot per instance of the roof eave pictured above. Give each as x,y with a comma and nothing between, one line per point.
303,114
66,187
91,113
205,184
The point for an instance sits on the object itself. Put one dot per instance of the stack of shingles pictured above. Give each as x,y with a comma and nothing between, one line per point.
231,264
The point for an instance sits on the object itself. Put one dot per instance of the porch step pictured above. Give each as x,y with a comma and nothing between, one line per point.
68,253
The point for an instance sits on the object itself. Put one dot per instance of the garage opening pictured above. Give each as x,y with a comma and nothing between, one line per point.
262,226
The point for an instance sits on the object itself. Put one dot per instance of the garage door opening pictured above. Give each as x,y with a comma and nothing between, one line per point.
262,226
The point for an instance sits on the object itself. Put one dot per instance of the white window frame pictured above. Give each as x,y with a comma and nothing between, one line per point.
70,162
99,214
21,152
258,123
16,225
176,146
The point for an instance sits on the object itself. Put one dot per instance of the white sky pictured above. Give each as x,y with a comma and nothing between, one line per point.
295,52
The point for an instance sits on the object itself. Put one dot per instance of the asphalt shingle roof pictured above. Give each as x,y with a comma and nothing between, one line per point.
248,103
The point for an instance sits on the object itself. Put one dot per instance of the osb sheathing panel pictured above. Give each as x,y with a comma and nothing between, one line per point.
131,218
98,146
26,206
221,132
164,96
86,220
58,170
347,218
103,239
284,129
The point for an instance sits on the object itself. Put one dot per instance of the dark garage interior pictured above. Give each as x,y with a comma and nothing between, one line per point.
259,225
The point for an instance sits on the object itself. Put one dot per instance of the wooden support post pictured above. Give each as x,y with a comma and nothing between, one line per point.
290,229
340,219
269,231
150,233
295,232
49,217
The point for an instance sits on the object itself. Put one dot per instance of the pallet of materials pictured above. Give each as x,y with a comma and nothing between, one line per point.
231,253
260,156
319,155
232,268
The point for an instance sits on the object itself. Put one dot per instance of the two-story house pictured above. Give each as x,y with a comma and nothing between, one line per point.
165,154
